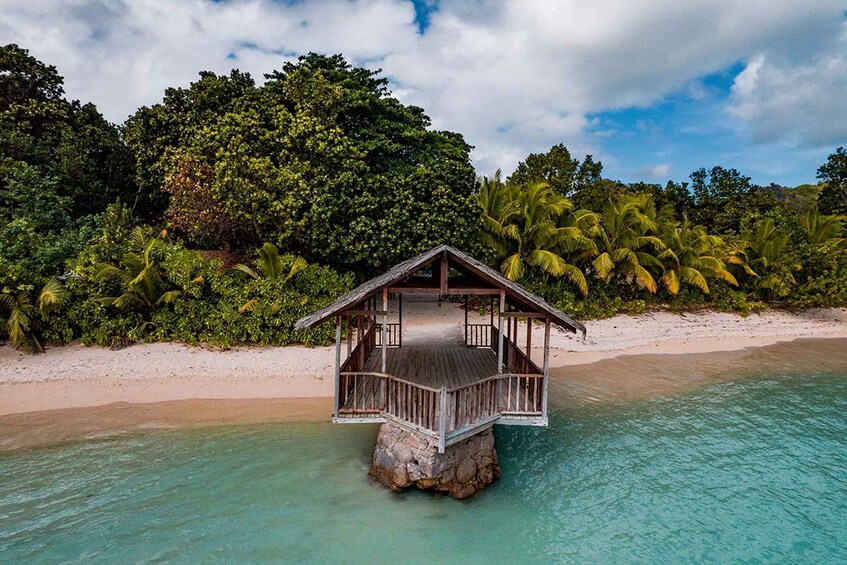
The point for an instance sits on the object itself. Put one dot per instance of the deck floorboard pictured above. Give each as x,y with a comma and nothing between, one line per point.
434,366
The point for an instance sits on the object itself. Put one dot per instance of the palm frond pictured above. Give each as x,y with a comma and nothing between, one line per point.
242,268
249,305
603,265
52,294
512,267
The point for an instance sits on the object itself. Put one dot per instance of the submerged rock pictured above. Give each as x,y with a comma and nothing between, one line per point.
404,459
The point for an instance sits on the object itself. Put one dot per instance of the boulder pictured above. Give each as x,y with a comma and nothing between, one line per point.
405,459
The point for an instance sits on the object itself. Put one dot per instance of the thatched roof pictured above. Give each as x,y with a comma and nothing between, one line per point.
404,270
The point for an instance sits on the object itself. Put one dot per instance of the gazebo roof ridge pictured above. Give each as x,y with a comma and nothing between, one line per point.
405,269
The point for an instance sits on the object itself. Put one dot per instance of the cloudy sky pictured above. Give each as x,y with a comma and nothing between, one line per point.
653,88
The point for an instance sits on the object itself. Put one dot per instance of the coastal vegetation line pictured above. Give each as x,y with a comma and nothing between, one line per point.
230,209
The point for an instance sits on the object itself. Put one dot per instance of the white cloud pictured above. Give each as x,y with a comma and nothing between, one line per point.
654,172
804,103
513,76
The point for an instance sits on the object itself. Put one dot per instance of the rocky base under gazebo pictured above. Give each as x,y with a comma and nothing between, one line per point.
403,459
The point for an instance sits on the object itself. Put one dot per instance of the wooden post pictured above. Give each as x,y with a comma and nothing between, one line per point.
546,367
466,320
529,339
360,335
442,420
349,335
500,333
400,323
384,326
337,365
445,271
515,333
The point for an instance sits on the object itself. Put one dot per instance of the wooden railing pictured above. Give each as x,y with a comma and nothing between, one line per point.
360,354
473,403
360,394
478,335
412,403
392,331
515,361
442,414
521,395
364,394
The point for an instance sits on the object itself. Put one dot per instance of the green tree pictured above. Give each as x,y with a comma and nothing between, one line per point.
67,141
320,161
833,196
692,257
625,239
273,267
672,194
142,283
723,198
822,229
36,228
767,254
528,226
18,312
565,174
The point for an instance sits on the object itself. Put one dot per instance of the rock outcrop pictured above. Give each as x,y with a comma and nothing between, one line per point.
404,459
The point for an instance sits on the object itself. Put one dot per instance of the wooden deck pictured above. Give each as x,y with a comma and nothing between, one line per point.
436,366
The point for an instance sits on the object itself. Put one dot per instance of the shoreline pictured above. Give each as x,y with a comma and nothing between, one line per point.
76,393
76,376
617,378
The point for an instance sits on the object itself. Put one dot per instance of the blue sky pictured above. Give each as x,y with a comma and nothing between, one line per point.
653,89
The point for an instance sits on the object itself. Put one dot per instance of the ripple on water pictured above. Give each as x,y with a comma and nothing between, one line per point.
740,470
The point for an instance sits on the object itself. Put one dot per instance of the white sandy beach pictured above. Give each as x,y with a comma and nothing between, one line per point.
75,376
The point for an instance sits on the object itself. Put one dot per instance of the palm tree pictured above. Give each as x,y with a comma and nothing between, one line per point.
691,256
822,229
17,312
622,236
271,267
531,226
767,257
143,285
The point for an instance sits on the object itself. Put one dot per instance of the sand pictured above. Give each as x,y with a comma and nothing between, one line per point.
166,384
76,376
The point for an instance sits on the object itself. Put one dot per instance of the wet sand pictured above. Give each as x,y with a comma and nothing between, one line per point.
54,427
639,377
620,379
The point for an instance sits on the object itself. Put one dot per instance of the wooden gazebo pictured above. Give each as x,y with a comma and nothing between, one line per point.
445,393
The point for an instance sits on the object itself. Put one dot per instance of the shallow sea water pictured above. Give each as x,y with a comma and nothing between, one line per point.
751,470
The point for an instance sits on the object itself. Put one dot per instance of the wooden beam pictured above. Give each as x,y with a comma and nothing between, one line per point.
337,364
367,312
384,326
349,335
466,320
442,419
400,328
500,333
529,339
360,334
445,272
524,315
546,369
437,290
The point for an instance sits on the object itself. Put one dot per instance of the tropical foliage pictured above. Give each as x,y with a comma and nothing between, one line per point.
333,179
18,312
531,226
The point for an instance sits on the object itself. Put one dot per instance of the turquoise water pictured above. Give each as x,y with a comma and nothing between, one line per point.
753,470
